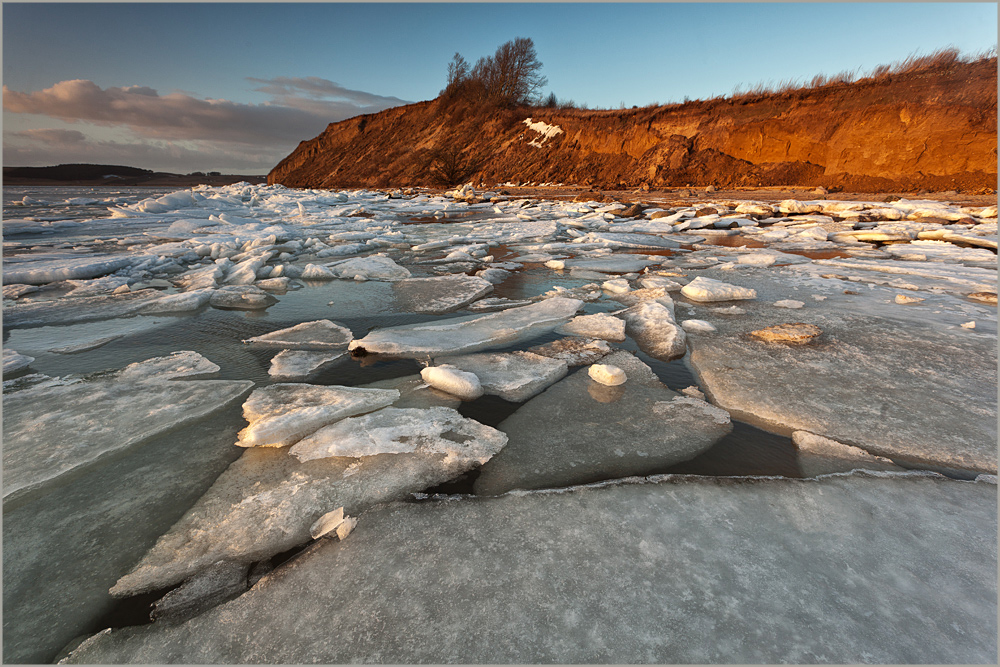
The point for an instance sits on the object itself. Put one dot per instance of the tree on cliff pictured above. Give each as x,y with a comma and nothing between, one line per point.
512,75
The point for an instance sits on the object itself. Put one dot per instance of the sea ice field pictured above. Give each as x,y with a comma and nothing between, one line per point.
252,424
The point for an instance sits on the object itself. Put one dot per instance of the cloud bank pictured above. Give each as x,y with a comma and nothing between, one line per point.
207,129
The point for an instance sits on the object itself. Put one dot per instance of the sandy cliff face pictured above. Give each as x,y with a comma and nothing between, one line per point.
934,129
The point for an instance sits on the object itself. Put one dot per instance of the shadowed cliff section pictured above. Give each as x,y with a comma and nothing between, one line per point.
935,129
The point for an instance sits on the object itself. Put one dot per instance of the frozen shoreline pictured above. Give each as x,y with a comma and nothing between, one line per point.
891,361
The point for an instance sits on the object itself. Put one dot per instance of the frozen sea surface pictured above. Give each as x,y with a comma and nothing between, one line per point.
141,474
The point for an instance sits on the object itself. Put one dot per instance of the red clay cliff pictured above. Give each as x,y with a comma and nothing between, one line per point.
933,129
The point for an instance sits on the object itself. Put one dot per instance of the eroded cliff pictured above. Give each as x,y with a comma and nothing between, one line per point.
933,129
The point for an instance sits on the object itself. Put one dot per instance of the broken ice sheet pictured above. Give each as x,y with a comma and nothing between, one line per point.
566,436
470,334
435,430
513,376
440,294
317,335
50,429
843,553
267,500
282,414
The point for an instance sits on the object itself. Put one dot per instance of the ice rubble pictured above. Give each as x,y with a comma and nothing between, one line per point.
581,431
267,500
838,553
54,427
282,414
470,334
606,374
513,376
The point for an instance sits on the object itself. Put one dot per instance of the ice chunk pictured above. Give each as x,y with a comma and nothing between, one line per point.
775,564
513,376
574,351
617,286
654,330
315,335
905,299
611,264
376,267
821,456
470,334
697,326
789,303
198,279
241,297
317,272
607,374
327,523
282,414
568,434
265,502
441,294
13,362
654,282
707,289
791,332
49,268
300,364
52,428
600,325
449,379
435,430
178,303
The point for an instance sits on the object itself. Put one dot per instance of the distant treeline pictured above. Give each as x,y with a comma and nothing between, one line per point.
75,172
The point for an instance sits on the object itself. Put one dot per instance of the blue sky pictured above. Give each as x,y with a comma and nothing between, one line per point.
233,87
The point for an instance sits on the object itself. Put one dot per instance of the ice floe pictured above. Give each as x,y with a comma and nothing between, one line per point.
581,431
470,334
513,376
316,335
55,427
282,414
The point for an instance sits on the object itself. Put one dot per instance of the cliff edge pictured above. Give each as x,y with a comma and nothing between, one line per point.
931,129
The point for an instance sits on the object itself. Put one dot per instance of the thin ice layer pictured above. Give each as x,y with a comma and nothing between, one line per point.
282,414
316,335
299,364
441,294
470,334
845,569
52,428
513,376
582,431
435,430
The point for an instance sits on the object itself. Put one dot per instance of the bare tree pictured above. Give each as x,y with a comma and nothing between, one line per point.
510,76
458,70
